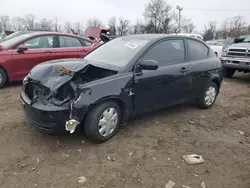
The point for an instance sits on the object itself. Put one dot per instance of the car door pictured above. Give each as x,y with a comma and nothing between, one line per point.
169,83
73,47
39,50
197,53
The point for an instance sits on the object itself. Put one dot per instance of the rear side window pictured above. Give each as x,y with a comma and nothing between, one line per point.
196,50
69,42
167,52
86,42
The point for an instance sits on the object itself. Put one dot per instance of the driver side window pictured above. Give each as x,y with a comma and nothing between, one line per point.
38,42
167,52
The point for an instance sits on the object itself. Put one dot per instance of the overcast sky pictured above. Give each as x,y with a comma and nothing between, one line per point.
82,10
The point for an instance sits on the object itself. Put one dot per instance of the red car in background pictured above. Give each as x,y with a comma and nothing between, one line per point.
20,54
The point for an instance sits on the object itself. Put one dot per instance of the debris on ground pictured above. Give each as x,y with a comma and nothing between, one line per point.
241,133
170,184
193,159
191,122
37,160
184,186
203,185
22,165
79,150
83,142
58,142
81,180
130,153
65,155
177,131
33,169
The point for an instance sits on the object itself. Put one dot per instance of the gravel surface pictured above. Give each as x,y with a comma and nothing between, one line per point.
145,153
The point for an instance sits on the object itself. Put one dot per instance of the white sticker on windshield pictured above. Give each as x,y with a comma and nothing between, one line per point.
131,45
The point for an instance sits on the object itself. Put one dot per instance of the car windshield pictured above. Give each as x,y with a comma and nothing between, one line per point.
14,40
117,52
247,39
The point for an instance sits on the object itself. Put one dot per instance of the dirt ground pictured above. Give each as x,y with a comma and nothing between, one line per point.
145,153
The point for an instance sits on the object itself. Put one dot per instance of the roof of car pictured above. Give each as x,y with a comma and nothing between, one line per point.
36,33
155,36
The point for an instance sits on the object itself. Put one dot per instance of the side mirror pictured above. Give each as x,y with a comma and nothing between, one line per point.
148,65
22,48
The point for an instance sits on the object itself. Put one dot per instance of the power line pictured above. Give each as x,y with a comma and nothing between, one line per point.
226,10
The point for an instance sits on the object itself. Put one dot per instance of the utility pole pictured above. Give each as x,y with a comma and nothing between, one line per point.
179,23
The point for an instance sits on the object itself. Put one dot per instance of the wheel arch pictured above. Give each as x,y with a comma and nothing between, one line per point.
117,99
6,72
216,80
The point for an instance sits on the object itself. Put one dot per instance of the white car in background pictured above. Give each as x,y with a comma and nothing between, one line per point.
217,46
191,35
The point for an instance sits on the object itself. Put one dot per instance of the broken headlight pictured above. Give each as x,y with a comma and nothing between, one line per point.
25,80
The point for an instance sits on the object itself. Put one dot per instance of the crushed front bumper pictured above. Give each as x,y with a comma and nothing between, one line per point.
236,63
48,119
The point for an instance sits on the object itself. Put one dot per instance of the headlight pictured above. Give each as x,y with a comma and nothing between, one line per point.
224,52
25,79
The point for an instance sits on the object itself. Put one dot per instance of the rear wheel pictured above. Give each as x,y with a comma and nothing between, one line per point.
3,78
102,122
208,97
228,73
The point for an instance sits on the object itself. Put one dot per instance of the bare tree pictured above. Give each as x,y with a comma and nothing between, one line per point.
112,25
158,15
29,21
4,23
56,25
17,23
45,24
138,28
209,32
186,24
67,27
94,23
123,26
78,28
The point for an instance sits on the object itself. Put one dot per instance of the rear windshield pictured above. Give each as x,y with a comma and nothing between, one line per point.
10,42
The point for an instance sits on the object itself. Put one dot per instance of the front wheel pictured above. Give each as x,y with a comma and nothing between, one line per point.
208,97
3,78
102,122
228,73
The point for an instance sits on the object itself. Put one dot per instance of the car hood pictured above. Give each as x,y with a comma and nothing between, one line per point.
241,45
48,75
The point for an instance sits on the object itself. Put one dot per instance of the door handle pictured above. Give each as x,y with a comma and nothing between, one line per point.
183,70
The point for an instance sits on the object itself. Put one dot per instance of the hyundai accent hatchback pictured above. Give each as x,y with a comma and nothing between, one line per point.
119,80
20,53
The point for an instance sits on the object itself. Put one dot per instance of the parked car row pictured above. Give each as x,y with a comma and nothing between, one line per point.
24,50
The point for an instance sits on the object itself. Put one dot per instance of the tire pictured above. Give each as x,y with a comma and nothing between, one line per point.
202,102
93,131
3,78
228,73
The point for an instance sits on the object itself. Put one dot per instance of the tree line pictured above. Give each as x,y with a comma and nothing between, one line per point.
159,17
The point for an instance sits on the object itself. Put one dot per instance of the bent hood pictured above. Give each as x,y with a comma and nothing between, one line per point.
48,74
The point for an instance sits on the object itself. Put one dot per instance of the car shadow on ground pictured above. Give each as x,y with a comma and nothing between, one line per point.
241,78
77,139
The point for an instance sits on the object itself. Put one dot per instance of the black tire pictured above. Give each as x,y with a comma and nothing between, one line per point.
91,123
201,103
228,73
3,78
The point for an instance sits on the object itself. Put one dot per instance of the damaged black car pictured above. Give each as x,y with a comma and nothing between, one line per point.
121,79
